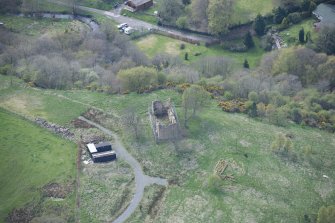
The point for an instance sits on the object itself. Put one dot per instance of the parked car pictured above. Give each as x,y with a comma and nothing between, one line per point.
122,26
128,30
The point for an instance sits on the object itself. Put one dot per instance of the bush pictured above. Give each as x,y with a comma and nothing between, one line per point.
294,17
5,69
215,184
261,109
138,79
282,146
161,78
237,47
253,96
233,106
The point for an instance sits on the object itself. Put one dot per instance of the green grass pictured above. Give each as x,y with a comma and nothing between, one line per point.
146,16
33,103
99,4
246,10
154,44
36,27
31,158
45,6
291,35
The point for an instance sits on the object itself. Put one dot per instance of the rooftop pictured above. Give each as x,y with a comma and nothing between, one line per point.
139,2
326,13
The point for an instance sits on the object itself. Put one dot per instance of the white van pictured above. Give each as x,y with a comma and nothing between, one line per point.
128,30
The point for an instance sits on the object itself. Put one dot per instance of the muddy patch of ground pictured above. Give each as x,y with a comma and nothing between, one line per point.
23,215
56,190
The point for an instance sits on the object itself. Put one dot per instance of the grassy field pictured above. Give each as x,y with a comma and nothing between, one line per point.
291,35
244,11
267,188
147,15
100,4
36,27
247,10
33,103
32,158
108,185
154,44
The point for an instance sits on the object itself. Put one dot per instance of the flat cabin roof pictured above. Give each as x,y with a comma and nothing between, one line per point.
103,144
103,154
139,2
91,148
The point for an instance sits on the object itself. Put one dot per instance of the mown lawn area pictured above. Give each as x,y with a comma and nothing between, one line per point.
100,4
147,15
291,35
247,10
31,158
155,44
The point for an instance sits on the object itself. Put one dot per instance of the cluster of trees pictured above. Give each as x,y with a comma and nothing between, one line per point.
293,84
10,6
70,59
212,16
215,16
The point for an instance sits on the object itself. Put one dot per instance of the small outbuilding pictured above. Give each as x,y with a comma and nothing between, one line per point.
164,121
101,152
139,4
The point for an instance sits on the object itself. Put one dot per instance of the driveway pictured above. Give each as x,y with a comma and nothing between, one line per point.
141,180
138,24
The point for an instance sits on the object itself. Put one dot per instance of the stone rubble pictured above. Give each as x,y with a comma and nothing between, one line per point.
60,130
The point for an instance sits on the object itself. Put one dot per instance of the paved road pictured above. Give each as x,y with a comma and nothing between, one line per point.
138,24
141,180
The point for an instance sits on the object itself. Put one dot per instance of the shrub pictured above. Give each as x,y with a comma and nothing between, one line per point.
161,79
233,106
282,146
228,95
138,79
261,109
215,183
253,96
296,115
5,69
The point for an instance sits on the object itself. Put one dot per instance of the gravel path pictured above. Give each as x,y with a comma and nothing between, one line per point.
141,180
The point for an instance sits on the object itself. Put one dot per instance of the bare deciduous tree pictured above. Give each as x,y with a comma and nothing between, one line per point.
132,121
193,99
